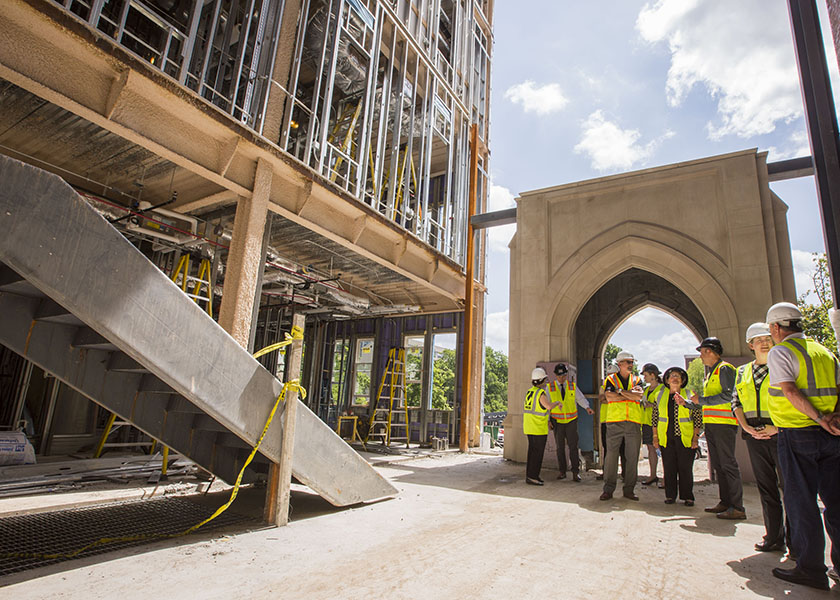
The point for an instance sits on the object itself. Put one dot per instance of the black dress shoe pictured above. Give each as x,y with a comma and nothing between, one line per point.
605,496
630,496
669,500
600,477
561,476
802,578
575,477
765,547
689,502
530,481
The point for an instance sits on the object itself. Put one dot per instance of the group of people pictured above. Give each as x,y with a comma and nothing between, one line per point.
785,402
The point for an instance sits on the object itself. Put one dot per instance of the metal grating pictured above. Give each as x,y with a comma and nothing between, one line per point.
65,531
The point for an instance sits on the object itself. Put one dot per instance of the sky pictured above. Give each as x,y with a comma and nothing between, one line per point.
581,90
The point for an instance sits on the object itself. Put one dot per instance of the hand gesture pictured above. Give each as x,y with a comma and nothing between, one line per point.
679,399
695,398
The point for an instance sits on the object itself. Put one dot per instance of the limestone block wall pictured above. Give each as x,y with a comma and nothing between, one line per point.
711,227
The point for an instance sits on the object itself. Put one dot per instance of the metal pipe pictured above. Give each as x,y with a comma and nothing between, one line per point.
822,125
467,329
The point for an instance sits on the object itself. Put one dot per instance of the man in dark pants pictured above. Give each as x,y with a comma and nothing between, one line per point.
751,405
804,379
721,429
564,419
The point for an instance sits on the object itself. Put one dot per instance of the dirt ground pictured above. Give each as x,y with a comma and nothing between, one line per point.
463,526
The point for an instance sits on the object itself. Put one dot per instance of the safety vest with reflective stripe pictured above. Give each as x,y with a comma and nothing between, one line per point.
817,379
566,412
623,409
756,406
534,416
683,414
656,391
717,413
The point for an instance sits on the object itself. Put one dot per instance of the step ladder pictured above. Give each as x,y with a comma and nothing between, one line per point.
199,287
389,421
348,118
111,426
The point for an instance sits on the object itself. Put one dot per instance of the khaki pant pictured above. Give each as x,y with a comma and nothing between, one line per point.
631,434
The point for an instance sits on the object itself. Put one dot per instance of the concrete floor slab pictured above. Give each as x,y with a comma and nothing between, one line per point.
463,526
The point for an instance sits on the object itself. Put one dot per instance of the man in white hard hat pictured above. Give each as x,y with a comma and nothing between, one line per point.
535,424
624,414
611,369
750,404
803,406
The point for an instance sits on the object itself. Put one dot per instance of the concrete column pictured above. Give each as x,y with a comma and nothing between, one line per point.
244,257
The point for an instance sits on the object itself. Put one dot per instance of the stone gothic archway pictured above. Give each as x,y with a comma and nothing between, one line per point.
705,240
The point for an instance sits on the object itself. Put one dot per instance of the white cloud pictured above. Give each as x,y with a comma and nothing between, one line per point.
803,271
667,350
797,145
610,147
498,238
542,100
496,331
740,51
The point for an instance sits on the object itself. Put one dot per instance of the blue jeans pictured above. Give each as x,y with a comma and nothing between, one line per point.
810,461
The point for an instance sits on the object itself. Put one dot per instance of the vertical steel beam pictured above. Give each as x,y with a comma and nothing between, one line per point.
189,44
467,329
822,125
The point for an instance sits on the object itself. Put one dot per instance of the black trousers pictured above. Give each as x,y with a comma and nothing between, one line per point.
764,456
536,449
721,440
622,454
567,432
678,464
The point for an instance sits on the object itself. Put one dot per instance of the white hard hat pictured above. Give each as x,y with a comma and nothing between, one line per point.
624,355
757,330
611,368
538,373
783,312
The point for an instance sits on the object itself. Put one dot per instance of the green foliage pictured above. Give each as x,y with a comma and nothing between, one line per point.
363,387
610,353
413,372
495,380
815,323
696,374
443,383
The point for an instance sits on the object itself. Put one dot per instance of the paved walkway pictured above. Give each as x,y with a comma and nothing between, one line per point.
462,527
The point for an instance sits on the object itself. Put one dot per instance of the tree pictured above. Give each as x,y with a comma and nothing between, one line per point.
610,352
413,371
443,381
696,374
815,323
495,380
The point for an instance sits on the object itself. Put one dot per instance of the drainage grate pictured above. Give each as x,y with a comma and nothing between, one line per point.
65,531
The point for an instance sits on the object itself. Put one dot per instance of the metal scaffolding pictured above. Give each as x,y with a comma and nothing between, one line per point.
376,96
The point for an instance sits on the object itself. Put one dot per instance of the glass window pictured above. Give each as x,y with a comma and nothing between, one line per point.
362,372
443,371
414,346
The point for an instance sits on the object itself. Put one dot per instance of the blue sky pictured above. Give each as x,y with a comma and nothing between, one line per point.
587,89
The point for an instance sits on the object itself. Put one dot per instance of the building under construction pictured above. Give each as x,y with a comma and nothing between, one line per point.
272,158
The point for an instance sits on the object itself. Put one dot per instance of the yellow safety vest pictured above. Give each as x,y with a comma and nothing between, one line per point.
567,411
817,379
656,391
717,413
684,416
534,416
623,410
755,406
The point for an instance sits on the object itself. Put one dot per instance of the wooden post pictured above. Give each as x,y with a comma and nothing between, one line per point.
280,474
467,329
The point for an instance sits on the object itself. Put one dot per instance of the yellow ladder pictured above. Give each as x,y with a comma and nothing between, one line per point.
389,412
193,286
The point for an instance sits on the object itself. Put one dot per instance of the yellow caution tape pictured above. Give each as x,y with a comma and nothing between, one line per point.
297,334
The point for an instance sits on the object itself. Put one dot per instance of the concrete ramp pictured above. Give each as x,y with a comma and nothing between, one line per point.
82,303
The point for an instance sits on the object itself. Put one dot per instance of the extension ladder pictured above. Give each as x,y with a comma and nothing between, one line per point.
194,286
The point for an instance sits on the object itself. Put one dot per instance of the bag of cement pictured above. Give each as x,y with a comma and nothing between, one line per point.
15,449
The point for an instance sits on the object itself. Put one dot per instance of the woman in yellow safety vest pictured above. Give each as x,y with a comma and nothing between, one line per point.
677,428
535,424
